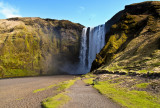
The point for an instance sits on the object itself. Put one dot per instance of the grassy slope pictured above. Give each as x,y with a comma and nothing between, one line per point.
131,97
133,43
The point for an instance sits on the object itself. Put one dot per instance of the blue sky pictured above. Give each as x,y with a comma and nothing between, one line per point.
85,12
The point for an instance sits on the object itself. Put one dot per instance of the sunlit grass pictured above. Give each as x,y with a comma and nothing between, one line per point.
61,86
142,85
89,75
61,98
126,97
64,85
19,73
46,88
56,101
89,81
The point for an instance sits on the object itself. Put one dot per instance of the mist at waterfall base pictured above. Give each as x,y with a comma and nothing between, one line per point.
91,42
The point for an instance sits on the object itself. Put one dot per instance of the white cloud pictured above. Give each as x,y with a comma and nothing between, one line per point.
8,11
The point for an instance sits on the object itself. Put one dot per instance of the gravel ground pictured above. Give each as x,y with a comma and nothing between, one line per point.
18,92
83,96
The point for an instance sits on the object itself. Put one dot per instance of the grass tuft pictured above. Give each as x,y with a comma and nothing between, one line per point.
142,85
89,81
61,98
65,85
89,75
56,101
42,89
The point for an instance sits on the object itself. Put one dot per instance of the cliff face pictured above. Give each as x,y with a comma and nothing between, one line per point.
35,46
133,40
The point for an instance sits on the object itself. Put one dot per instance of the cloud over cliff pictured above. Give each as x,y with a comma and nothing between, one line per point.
8,11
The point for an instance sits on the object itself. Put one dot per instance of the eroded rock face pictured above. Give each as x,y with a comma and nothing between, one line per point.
35,46
132,43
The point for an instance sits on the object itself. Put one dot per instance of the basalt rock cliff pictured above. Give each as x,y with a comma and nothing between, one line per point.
35,46
132,40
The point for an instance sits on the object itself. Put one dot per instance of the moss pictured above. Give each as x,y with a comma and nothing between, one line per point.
129,17
115,67
59,99
60,86
156,64
114,26
2,71
124,26
143,71
89,81
43,89
115,42
56,101
64,85
142,85
127,98
19,73
89,75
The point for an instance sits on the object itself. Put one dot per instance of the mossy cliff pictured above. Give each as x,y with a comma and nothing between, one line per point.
132,40
35,46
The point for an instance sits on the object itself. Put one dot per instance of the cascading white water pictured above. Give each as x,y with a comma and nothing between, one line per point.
92,41
83,48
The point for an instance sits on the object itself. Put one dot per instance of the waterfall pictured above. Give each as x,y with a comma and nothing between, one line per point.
92,41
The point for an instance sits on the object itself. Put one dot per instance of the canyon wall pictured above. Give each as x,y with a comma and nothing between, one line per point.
35,46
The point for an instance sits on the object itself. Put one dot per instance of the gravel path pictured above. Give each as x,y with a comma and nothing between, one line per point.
18,92
87,97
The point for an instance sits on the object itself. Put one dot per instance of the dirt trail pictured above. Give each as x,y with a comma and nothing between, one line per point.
18,92
87,97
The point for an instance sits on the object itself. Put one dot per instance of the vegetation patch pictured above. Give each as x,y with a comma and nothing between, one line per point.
89,81
61,98
56,101
65,85
125,96
142,71
19,73
142,85
89,75
46,88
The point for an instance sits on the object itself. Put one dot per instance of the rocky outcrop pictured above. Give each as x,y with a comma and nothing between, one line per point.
35,46
133,40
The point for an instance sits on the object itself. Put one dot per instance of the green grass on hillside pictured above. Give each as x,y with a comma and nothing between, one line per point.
126,97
